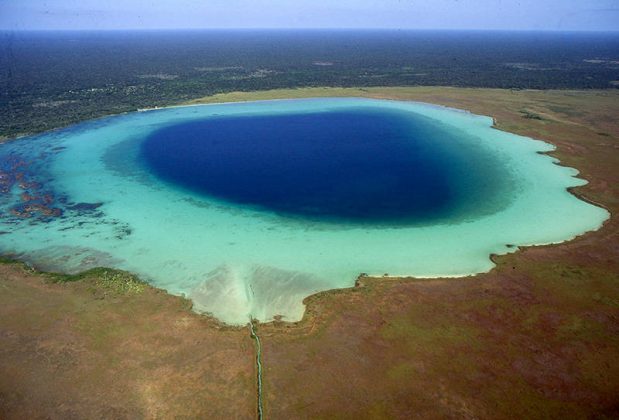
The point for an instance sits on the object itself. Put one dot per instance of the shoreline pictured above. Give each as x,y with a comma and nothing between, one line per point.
364,92
575,191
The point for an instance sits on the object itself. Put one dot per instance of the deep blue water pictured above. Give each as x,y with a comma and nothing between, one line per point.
359,165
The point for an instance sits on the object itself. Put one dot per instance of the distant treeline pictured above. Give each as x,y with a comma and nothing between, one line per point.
51,79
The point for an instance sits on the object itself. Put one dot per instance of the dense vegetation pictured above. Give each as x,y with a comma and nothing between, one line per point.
51,79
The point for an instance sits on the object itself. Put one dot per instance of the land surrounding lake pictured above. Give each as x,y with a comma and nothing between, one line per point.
51,79
535,337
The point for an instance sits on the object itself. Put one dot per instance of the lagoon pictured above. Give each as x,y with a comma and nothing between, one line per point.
248,208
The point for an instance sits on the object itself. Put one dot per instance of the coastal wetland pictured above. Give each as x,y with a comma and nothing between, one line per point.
538,336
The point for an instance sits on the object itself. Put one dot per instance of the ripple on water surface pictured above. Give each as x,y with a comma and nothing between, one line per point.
248,208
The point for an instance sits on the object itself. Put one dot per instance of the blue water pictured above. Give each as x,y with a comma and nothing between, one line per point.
356,165
248,208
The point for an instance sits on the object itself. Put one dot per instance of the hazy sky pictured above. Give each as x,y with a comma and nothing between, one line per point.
413,14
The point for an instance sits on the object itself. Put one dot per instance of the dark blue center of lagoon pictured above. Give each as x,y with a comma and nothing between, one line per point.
357,165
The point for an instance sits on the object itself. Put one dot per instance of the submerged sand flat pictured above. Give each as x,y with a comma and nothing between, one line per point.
96,207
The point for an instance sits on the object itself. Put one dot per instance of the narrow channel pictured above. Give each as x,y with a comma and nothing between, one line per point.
254,335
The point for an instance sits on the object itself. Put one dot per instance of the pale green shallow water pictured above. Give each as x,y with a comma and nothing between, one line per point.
235,262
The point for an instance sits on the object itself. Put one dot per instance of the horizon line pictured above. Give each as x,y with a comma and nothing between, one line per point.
338,29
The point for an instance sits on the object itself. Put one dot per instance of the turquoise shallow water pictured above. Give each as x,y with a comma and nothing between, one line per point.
86,197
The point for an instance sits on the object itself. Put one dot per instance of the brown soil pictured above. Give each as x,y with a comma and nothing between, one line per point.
83,350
